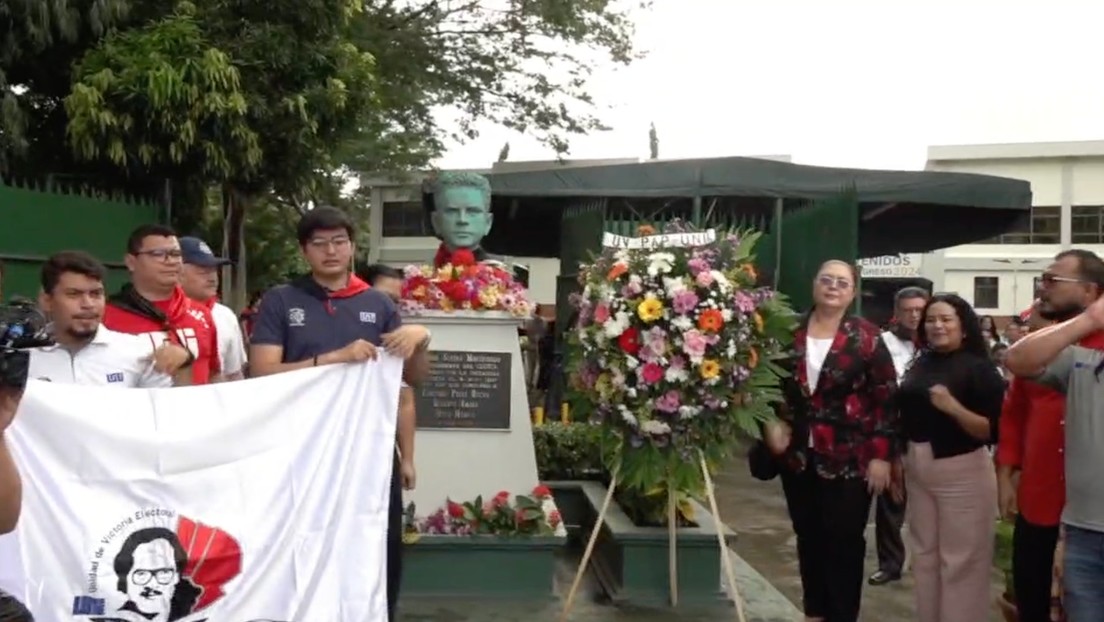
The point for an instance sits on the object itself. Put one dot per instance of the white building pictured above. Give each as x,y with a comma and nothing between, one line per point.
1067,182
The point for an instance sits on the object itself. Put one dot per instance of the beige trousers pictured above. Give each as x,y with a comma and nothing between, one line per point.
952,512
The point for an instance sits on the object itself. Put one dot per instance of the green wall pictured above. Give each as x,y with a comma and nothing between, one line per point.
37,224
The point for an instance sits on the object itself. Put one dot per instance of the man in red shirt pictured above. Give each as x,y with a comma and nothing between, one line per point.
1031,444
153,301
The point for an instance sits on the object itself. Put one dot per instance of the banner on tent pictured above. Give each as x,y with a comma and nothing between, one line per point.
235,502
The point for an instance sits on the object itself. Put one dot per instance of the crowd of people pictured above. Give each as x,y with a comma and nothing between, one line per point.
949,427
166,328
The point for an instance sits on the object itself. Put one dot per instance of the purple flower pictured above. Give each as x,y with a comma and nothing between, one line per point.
740,373
743,302
697,264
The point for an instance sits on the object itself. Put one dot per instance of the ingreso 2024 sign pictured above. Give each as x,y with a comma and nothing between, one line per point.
903,266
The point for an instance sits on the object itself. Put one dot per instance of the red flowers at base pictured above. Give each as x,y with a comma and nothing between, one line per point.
458,257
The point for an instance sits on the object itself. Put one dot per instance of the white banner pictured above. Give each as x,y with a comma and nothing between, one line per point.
693,238
263,500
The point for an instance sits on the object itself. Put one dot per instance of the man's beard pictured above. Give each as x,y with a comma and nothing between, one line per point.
1061,314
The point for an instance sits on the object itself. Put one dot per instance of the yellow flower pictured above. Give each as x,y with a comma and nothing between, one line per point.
758,319
488,297
446,304
650,309
419,292
427,271
709,369
445,273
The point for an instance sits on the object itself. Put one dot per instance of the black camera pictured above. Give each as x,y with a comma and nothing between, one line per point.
22,327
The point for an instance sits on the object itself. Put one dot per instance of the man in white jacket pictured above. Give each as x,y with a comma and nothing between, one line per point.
889,516
200,280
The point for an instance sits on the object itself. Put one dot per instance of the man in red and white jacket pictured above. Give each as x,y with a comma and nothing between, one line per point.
153,302
200,281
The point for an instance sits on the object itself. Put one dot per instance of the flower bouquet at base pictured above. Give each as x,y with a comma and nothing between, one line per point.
676,348
504,515
464,285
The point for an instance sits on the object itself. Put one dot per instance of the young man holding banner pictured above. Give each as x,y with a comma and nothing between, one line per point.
332,316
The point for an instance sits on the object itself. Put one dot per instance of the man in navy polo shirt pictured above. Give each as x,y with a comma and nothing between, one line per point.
332,316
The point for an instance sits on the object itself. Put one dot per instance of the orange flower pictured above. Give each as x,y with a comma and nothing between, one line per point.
617,270
753,358
711,320
750,270
643,230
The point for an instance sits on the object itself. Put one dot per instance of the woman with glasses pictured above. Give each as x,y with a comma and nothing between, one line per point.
834,442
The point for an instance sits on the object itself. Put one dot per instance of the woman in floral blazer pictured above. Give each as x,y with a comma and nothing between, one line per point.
835,442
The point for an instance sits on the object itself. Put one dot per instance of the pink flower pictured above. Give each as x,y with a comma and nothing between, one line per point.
743,302
698,265
694,343
651,373
601,314
704,279
684,302
655,343
669,402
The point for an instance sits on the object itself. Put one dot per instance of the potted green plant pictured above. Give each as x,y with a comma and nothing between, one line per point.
569,454
1002,559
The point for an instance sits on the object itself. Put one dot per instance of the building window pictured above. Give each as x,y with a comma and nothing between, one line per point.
1043,227
986,292
407,219
1087,225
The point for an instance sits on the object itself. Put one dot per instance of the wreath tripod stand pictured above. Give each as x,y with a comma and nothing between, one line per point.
672,544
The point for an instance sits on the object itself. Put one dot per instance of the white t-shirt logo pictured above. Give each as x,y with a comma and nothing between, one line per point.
368,317
297,317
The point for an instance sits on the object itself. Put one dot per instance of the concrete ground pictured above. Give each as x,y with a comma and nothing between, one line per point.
757,512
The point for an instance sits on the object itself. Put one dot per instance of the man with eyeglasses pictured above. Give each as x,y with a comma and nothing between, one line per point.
154,303
332,316
1057,451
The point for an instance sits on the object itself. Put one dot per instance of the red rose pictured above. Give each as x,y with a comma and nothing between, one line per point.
629,341
502,498
455,510
651,373
542,492
462,257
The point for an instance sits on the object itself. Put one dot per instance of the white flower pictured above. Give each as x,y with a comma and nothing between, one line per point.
676,375
621,255
722,281
655,428
660,263
673,286
682,323
726,314
631,362
686,412
630,392
730,349
628,417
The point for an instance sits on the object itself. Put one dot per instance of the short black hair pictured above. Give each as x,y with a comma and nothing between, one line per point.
321,219
139,235
78,262
378,271
1090,268
908,293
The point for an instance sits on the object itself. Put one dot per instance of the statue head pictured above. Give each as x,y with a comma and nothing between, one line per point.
461,214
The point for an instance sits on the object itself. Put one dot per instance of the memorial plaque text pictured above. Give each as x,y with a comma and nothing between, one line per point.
465,390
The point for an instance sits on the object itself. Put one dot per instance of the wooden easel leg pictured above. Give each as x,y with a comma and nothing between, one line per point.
570,600
726,559
672,542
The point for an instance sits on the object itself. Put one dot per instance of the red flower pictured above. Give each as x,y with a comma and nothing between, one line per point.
462,257
651,373
542,492
455,510
554,518
629,341
442,256
502,498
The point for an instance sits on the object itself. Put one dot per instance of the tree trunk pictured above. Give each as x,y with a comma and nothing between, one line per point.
235,287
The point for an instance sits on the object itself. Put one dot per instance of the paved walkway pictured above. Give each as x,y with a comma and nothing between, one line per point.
766,569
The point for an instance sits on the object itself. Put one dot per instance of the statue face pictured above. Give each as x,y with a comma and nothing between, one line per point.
460,217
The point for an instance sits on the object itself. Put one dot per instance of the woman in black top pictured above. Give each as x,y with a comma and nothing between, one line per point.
949,402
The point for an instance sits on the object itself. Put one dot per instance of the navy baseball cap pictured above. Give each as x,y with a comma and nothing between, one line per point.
197,253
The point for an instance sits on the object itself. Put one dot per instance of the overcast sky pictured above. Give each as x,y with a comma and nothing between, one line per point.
867,83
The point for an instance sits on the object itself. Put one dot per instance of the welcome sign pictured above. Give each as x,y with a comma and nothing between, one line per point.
257,501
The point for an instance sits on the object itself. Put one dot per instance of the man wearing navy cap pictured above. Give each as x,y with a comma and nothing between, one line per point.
200,280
